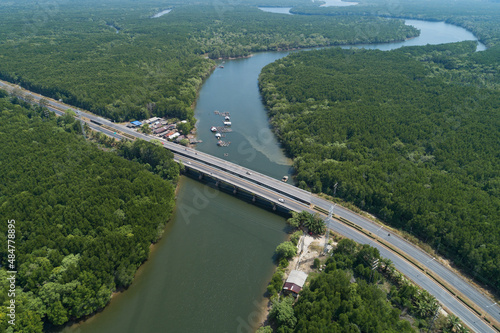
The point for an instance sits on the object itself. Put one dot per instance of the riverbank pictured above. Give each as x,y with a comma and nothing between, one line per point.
205,234
120,292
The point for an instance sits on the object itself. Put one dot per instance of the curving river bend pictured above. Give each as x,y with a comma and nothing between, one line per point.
210,270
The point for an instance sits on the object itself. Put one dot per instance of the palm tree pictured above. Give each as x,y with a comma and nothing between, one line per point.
425,303
387,264
43,102
454,324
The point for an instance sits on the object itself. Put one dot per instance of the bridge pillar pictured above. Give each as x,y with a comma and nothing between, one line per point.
217,183
274,207
253,198
235,190
200,177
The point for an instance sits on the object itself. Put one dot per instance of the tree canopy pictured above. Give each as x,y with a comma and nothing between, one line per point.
410,135
85,218
348,297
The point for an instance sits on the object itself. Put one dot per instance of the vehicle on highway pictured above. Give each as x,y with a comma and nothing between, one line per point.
281,200
249,173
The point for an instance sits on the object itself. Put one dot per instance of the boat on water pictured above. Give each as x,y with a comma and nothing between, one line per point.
284,179
213,129
227,118
227,123
218,135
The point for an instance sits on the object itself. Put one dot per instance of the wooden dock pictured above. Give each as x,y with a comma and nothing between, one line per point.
223,129
221,143
223,114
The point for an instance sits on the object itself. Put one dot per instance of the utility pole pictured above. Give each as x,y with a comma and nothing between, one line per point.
330,213
83,129
433,319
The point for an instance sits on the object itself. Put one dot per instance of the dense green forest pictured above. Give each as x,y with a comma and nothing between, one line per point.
411,135
479,16
245,30
84,218
350,296
72,51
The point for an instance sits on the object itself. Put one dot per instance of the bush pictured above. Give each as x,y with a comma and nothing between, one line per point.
314,222
284,263
286,250
282,312
295,237
276,283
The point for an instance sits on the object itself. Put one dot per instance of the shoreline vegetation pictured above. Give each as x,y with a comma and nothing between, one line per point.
481,19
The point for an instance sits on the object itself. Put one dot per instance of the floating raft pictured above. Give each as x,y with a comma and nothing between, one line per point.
221,143
223,129
224,114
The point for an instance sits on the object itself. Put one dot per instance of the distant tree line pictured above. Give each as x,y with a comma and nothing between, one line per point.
153,66
481,18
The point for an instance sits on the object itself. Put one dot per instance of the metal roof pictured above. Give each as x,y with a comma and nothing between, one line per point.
292,287
136,123
297,277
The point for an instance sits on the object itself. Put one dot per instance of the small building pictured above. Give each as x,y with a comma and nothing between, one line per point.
160,131
173,136
136,123
156,125
179,138
166,135
152,120
295,282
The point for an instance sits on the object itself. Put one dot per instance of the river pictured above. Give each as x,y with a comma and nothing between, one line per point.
209,271
160,14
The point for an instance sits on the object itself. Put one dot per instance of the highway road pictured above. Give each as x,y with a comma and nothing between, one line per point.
297,199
